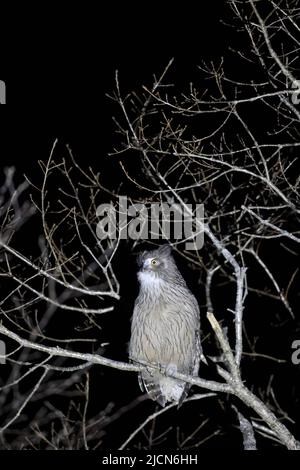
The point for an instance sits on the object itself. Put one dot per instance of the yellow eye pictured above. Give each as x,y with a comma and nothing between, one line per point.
154,262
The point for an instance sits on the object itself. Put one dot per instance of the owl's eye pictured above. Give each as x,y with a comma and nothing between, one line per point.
154,262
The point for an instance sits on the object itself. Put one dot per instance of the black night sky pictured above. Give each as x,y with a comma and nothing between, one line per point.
58,85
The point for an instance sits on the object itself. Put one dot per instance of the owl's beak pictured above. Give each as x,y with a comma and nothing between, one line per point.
140,259
145,266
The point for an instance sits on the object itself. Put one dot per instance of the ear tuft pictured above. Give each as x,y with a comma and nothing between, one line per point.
165,250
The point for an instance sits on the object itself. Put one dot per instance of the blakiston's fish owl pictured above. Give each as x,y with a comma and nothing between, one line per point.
165,327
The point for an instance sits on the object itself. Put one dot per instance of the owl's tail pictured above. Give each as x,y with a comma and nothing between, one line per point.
151,385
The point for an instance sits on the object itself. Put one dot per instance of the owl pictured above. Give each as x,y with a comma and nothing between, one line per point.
165,327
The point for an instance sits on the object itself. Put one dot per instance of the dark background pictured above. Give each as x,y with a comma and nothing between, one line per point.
58,73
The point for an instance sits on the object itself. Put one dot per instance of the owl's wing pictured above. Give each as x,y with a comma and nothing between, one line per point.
194,369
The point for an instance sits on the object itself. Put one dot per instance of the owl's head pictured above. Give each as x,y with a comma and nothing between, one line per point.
157,264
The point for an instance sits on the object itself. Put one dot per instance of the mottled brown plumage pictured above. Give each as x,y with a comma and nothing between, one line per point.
165,327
